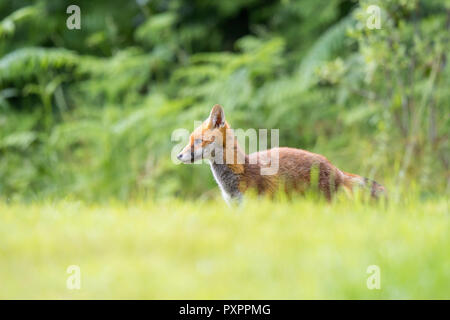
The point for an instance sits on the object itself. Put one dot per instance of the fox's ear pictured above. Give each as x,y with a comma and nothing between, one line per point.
217,116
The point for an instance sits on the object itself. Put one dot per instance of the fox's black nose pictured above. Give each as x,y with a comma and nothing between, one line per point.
179,156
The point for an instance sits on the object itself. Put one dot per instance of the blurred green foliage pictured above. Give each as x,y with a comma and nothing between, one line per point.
89,113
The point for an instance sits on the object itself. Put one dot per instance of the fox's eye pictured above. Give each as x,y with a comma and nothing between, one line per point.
197,141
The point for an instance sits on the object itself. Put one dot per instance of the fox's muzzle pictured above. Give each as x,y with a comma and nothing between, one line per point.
181,157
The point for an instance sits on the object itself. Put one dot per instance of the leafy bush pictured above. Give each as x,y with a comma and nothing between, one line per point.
90,112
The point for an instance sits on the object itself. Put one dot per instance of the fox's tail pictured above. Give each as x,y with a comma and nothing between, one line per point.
353,180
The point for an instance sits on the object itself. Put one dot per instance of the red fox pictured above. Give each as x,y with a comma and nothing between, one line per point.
240,172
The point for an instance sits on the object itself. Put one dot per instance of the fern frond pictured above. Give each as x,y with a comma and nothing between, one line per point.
8,24
23,64
323,49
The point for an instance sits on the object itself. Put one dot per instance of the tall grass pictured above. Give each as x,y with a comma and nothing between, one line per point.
266,250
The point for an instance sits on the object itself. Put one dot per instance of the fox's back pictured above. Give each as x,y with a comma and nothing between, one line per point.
294,168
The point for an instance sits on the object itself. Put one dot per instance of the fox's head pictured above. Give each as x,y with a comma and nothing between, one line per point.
206,141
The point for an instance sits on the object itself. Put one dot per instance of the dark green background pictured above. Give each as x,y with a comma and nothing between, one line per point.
89,113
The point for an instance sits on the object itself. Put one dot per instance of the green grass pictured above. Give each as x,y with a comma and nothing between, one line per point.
204,250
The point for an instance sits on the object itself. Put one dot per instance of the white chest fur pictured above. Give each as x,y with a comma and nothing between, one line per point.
228,182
